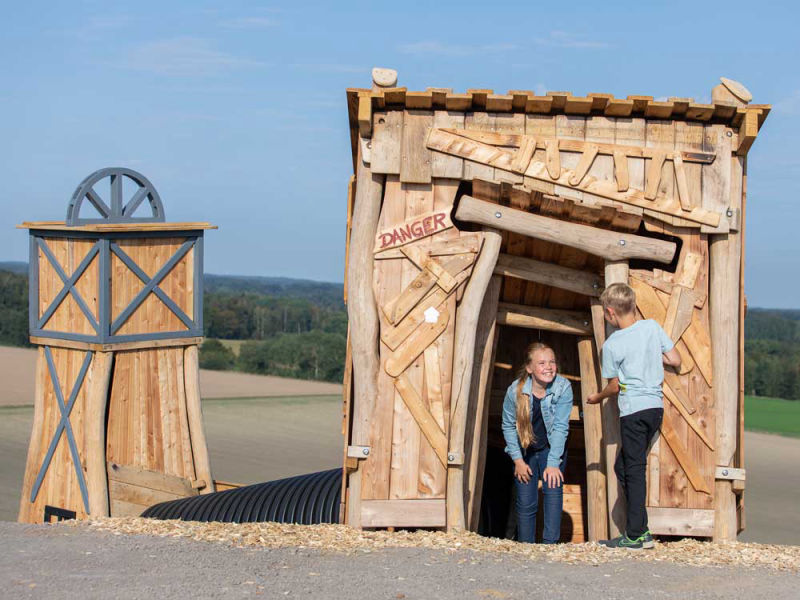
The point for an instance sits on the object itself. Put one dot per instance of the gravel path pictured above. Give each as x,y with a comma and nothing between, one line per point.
74,562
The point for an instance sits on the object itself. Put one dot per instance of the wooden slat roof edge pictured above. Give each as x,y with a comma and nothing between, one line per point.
116,227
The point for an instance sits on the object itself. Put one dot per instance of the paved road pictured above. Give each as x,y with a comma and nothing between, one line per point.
64,562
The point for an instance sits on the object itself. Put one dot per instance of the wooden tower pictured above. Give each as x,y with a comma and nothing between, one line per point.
480,222
116,312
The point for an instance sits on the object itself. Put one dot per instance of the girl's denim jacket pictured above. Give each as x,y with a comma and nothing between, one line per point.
556,408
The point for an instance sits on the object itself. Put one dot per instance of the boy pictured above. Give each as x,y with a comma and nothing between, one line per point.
633,361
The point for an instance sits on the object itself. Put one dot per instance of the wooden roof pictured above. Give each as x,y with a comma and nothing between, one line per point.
553,103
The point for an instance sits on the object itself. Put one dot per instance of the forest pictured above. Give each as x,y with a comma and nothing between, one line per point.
297,328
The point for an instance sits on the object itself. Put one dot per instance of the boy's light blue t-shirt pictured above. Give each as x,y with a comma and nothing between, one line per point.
634,355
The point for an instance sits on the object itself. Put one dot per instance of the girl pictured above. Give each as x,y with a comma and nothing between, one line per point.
535,425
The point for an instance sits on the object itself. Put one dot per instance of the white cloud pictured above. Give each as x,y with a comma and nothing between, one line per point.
564,39
249,23
184,56
455,50
789,105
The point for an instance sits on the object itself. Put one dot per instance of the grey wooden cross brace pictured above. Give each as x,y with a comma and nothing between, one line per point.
64,425
69,284
151,285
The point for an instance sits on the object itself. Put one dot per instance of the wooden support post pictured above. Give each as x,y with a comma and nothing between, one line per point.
464,354
478,415
615,272
363,317
37,432
611,245
724,256
593,433
96,401
194,412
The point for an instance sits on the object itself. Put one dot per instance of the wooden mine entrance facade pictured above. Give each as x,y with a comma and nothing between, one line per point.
478,223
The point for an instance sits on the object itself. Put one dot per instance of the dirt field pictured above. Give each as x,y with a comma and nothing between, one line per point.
18,370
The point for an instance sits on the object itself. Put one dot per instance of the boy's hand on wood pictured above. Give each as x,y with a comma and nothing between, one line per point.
594,398
522,471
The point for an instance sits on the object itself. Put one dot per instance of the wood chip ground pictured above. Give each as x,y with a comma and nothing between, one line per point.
340,538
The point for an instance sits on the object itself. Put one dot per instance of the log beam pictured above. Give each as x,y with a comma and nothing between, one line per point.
363,318
581,282
593,432
548,319
611,245
464,356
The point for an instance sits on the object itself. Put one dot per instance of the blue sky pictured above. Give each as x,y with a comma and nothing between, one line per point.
236,110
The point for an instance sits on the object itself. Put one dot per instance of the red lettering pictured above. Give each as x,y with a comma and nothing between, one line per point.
416,229
405,233
426,225
386,239
438,220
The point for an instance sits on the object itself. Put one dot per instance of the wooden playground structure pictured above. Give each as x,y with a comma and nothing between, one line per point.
477,223
480,222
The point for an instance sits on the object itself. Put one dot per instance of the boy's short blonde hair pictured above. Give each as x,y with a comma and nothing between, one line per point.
620,297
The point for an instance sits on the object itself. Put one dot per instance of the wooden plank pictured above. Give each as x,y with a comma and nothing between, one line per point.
679,312
692,261
748,131
415,344
433,384
674,382
478,121
415,161
654,175
423,417
414,228
584,164
403,513
464,356
523,156
673,399
399,307
679,450
680,521
597,515
717,176
142,496
466,243
422,260
621,171
387,139
699,344
364,115
547,319
139,477
581,282
443,165
607,244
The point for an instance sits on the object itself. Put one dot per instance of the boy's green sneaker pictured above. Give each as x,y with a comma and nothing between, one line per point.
624,541
647,540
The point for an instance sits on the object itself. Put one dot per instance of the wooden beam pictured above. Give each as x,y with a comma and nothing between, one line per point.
498,158
681,521
515,140
423,417
548,319
610,245
478,415
95,420
403,513
597,516
414,345
194,413
565,278
363,320
615,272
464,355
682,455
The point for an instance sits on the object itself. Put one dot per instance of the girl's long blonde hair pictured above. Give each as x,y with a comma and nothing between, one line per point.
524,426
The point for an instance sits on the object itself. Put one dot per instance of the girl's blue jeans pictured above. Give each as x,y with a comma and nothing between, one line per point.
528,501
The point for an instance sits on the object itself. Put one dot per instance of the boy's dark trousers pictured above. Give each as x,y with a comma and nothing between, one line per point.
636,432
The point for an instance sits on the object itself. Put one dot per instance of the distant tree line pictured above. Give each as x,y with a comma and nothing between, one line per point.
298,328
